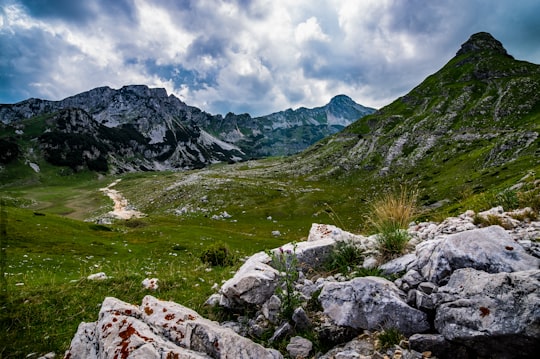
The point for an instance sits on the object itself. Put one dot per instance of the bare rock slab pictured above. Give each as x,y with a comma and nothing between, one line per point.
371,303
497,315
488,249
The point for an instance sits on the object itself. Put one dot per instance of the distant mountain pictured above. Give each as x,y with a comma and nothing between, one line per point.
473,121
138,128
287,132
130,129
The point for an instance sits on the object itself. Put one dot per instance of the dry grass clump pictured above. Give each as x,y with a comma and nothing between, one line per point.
389,217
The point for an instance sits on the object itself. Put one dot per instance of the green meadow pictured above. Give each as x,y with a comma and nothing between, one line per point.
52,240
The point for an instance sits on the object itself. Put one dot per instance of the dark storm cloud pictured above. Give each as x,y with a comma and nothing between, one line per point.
28,59
248,55
76,11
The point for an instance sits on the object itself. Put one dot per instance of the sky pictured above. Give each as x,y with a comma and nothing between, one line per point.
248,56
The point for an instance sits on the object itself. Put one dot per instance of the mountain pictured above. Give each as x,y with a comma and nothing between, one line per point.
138,128
130,129
474,120
288,132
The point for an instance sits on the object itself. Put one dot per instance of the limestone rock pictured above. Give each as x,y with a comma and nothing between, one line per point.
397,265
371,303
497,315
437,345
254,283
159,329
489,249
299,347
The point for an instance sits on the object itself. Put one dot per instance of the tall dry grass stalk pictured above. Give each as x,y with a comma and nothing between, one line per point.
390,215
395,208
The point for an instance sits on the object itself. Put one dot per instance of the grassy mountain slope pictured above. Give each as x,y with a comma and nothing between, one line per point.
468,127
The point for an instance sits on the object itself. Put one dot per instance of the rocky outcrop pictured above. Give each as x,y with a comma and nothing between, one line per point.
371,303
464,294
489,249
159,329
498,315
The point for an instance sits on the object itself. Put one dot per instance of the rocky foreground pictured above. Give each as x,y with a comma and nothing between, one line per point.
465,290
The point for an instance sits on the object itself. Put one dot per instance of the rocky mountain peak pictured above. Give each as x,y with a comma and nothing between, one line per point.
482,41
340,99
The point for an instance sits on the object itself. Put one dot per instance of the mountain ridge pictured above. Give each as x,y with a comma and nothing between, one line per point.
168,134
480,111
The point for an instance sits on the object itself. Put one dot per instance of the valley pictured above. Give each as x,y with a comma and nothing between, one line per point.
467,138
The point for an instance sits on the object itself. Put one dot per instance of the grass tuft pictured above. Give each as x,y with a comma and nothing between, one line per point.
390,215
388,338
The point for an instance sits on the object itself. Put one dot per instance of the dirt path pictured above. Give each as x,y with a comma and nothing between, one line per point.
121,207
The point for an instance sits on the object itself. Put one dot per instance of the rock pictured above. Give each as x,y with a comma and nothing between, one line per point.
301,319
97,276
158,329
253,284
299,347
423,301
371,303
370,262
361,347
398,265
496,315
271,308
50,355
411,279
281,332
437,345
489,249
151,284
119,332
427,287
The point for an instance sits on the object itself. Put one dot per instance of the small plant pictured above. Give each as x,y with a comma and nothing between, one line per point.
390,216
389,337
344,258
218,254
489,220
508,199
392,241
396,209
286,263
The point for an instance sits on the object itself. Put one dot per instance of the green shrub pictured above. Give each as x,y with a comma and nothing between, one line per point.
344,258
389,337
392,241
218,254
395,209
389,216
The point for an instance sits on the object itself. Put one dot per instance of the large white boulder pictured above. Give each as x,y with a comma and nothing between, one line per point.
490,249
254,283
159,329
496,315
371,303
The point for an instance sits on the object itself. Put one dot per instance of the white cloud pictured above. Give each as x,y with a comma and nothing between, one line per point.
310,30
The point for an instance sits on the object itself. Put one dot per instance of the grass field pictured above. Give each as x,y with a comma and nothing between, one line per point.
49,248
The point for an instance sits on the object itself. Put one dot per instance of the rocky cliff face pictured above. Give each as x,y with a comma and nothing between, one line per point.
286,132
134,128
139,128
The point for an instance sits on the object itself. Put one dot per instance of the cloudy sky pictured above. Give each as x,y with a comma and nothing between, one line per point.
255,56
